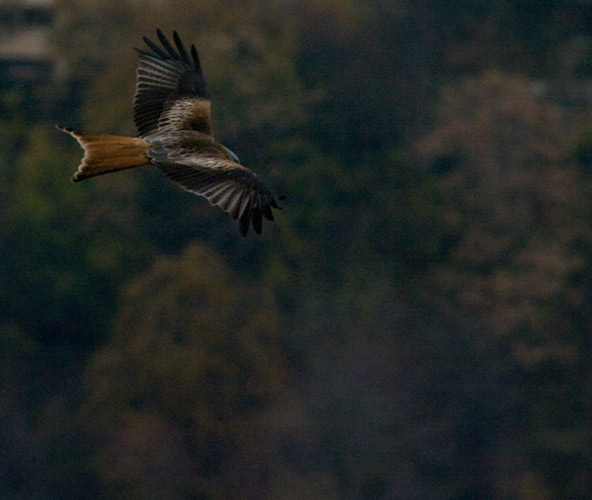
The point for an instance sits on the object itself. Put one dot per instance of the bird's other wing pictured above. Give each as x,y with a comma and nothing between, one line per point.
171,91
223,182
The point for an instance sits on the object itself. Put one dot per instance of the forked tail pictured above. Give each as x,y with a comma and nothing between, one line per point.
105,153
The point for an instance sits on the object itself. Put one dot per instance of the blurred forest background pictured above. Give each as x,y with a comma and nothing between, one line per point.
415,325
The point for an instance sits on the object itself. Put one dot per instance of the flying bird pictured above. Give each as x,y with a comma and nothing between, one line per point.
172,116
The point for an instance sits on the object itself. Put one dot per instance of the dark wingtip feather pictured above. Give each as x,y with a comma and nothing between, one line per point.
181,48
244,223
274,204
167,45
245,219
256,215
155,48
268,214
143,52
195,58
266,208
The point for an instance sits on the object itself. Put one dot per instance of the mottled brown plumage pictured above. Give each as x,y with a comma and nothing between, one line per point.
171,110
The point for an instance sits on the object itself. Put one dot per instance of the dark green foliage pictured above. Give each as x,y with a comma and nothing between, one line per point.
195,354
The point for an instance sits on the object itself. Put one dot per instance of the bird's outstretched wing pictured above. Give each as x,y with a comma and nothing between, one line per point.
171,91
172,112
209,171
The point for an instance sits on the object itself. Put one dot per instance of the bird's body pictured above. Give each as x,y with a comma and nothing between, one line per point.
172,115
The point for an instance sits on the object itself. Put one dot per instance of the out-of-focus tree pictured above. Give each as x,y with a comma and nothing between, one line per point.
194,359
65,251
515,202
518,209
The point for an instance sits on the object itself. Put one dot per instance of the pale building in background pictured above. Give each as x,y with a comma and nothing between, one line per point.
25,49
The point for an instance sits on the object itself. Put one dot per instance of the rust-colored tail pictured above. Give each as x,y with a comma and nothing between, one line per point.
107,153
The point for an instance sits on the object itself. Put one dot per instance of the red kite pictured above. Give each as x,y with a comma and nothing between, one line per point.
172,116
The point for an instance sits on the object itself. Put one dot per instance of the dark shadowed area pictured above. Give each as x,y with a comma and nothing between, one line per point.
415,324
